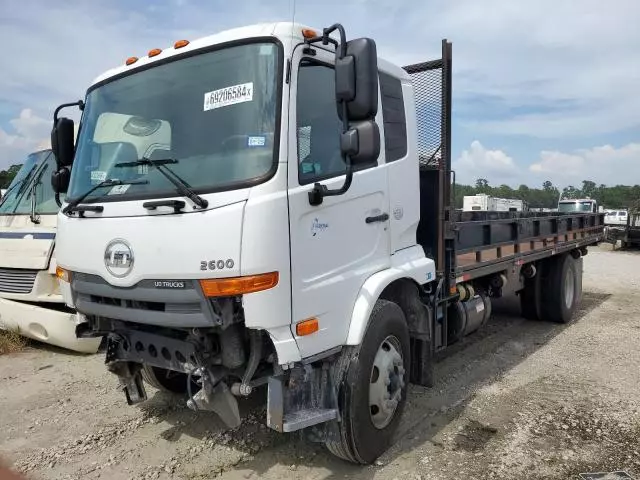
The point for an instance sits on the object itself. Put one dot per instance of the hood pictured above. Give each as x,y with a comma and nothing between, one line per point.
124,250
24,244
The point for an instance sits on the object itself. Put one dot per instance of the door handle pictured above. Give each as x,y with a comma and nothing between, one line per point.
378,218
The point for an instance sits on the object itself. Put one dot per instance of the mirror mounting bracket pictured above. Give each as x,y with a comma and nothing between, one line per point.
79,104
319,191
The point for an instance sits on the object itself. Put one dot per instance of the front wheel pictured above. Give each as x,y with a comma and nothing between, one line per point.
373,380
168,380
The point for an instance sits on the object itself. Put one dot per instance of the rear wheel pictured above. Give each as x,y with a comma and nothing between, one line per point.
373,382
560,294
168,380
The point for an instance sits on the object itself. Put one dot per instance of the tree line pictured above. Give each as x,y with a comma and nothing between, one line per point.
6,176
618,196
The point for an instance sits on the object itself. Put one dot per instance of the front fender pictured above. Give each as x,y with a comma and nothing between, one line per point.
408,263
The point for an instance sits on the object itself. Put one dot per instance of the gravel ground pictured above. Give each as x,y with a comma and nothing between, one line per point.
516,400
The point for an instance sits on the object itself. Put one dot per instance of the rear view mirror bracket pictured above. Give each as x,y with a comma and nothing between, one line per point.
63,148
357,100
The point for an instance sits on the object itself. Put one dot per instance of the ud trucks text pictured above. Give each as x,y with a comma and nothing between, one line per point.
271,206
30,299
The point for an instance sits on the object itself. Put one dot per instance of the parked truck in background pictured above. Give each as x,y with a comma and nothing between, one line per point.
482,202
30,298
627,231
616,217
578,205
271,205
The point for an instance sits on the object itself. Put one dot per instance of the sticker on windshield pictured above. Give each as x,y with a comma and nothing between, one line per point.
228,96
118,189
257,141
98,176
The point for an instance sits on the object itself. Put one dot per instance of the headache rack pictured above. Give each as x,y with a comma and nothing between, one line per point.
475,243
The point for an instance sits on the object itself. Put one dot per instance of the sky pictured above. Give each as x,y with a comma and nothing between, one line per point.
542,90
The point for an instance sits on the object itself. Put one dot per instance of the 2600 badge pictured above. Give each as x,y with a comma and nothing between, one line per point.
216,264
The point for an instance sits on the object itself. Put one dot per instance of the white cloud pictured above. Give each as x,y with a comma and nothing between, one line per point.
31,133
478,162
605,164
550,68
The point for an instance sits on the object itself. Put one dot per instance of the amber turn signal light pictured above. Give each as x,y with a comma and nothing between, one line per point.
229,287
307,327
64,275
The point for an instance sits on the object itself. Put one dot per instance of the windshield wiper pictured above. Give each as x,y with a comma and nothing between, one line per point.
37,180
181,185
73,205
20,183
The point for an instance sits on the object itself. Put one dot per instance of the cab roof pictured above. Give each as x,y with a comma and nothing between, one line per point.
286,31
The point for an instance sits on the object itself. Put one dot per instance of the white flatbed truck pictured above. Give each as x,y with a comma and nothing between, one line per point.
30,299
273,207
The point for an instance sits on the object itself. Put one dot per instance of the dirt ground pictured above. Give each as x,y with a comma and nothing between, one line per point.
518,400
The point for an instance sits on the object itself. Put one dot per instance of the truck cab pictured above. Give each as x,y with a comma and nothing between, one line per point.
578,205
30,297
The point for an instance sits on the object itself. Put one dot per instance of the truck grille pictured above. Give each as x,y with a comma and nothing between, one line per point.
143,302
14,280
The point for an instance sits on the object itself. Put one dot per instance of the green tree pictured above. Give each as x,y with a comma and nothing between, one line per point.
482,186
6,176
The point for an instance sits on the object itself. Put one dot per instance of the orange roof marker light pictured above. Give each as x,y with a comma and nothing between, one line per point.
308,33
131,60
230,287
181,43
154,52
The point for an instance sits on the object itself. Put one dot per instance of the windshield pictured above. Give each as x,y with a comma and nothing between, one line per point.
215,113
575,206
36,169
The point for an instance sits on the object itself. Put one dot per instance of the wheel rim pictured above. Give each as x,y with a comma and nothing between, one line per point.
569,289
386,382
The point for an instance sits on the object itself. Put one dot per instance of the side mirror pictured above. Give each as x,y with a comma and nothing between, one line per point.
361,143
60,180
62,141
357,79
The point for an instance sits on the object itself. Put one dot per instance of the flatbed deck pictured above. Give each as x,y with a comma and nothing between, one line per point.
486,242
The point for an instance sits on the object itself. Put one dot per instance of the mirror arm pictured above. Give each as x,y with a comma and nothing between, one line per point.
57,198
326,39
320,191
79,104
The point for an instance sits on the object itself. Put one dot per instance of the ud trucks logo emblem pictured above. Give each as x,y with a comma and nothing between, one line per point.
118,258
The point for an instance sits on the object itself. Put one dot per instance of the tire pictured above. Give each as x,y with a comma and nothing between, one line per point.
560,295
167,380
365,431
530,297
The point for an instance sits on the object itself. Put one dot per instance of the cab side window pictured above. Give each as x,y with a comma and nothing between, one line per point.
318,125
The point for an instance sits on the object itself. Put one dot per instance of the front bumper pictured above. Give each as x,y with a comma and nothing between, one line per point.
45,325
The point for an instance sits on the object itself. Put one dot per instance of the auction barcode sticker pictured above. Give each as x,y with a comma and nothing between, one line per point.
228,96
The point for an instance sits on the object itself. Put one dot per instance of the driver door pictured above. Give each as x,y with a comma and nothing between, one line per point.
337,245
